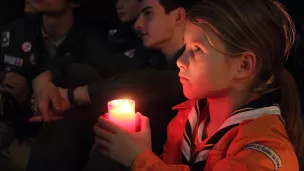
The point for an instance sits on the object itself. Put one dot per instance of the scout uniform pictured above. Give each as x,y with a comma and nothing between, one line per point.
28,51
252,138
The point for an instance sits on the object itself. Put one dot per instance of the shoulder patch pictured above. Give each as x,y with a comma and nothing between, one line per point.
112,32
12,60
5,39
274,157
130,53
26,46
32,59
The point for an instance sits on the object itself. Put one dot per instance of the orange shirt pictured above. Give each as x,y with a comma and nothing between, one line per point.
258,143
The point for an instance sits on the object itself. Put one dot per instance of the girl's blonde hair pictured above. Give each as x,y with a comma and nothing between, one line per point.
266,29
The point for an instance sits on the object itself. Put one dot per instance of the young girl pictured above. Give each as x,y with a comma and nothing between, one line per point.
244,112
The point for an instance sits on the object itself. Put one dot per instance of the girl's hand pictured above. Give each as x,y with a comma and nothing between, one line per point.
120,145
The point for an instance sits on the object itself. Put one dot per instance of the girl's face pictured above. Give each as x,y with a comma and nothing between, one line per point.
204,71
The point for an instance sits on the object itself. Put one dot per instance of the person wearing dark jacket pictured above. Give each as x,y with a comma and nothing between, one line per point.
122,40
27,45
30,43
121,36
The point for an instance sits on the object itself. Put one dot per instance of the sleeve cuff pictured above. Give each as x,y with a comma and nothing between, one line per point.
145,160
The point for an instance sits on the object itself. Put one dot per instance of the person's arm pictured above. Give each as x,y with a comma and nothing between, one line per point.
263,148
17,86
44,89
259,157
46,94
144,86
81,95
45,76
261,144
262,156
56,68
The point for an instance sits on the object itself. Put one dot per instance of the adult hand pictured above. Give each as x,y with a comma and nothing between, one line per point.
120,145
53,115
16,85
48,102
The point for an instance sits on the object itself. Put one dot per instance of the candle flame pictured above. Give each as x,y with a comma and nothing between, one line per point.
122,105
122,112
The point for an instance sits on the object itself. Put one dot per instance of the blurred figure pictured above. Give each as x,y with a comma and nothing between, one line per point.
127,11
28,45
28,8
11,10
122,37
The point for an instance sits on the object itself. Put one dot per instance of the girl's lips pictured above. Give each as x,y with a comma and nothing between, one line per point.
182,77
183,80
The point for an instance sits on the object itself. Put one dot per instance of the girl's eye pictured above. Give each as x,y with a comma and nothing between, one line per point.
197,50
147,13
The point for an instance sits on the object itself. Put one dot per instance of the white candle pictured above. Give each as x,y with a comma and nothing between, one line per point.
122,112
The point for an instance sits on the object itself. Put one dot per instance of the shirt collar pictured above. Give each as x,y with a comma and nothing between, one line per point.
185,105
269,99
46,37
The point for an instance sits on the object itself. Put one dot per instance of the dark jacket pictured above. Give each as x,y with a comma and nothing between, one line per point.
123,38
23,52
124,54
80,43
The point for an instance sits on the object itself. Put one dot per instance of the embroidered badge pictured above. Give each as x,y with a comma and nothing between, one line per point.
32,59
5,39
26,47
112,32
274,157
11,60
130,53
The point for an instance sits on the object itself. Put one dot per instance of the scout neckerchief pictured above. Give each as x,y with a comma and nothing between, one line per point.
196,161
